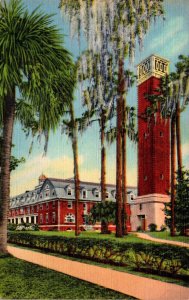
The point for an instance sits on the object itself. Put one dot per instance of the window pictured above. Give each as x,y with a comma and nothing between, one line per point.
32,208
53,217
28,210
145,135
85,206
96,193
145,178
140,206
47,218
84,194
47,193
41,219
161,176
113,193
41,207
69,191
53,204
107,195
47,205
70,218
21,211
70,204
161,134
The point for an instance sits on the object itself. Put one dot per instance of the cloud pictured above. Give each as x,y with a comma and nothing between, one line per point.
26,176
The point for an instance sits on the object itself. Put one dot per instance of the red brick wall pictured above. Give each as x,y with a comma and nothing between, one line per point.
153,146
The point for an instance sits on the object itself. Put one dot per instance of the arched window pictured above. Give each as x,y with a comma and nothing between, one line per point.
69,218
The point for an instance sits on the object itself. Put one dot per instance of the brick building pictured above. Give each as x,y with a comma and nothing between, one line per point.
51,204
153,149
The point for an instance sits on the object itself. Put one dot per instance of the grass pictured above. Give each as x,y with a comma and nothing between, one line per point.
166,236
23,280
179,280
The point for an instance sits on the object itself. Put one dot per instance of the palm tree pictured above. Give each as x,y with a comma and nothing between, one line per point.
30,53
71,128
99,102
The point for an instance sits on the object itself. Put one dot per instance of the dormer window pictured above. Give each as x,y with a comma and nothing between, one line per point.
40,195
114,193
96,193
84,194
53,193
69,191
47,193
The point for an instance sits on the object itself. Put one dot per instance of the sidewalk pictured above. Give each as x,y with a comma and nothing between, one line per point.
139,287
147,237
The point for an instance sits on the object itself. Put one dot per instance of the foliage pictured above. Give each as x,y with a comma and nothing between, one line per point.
14,163
23,280
11,226
152,227
181,203
103,212
174,88
155,258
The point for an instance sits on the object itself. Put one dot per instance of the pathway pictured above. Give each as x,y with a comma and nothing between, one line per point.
145,236
139,287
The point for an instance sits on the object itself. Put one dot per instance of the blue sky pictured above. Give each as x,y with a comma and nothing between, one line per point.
168,39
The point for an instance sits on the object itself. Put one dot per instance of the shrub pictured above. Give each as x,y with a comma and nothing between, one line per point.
152,227
163,228
11,226
161,259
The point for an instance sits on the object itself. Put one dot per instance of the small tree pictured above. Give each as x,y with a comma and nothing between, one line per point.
104,212
181,204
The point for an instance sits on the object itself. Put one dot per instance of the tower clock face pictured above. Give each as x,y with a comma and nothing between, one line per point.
152,66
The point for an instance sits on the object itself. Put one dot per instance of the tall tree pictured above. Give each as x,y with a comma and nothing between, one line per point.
30,53
71,128
112,28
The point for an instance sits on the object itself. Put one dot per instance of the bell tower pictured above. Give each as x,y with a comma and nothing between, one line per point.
153,148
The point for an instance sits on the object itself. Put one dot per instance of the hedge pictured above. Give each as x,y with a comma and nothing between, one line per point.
153,258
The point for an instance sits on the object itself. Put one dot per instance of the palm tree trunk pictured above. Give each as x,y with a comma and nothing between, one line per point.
124,171
121,90
76,168
173,178
104,225
178,135
8,122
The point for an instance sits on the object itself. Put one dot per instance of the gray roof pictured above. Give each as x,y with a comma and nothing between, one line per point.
53,188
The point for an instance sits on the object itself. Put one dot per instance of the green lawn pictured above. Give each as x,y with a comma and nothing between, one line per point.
166,235
132,238
23,280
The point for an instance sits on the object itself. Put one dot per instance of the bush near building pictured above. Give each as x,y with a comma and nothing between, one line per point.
151,258
181,205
